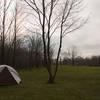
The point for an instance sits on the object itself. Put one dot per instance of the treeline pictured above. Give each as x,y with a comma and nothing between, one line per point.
28,52
80,61
20,46
16,48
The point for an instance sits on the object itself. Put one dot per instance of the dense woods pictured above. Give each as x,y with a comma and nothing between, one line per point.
28,53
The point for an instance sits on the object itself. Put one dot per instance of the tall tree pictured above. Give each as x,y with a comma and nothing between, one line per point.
18,20
55,16
5,26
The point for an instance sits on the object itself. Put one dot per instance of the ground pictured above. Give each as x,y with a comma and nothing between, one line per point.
72,83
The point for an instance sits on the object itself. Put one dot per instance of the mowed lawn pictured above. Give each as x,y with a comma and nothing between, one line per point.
72,83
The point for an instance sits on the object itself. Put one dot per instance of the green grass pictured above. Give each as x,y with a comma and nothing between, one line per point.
72,83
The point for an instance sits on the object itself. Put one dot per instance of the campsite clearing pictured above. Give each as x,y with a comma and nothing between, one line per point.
72,83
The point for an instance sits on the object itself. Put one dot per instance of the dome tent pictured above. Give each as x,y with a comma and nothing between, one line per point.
8,75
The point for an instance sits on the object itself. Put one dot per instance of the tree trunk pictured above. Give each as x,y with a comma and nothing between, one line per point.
73,61
14,54
51,80
2,53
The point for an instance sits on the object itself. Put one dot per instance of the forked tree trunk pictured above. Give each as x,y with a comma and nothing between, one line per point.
45,20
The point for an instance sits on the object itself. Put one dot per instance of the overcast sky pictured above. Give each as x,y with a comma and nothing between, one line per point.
87,39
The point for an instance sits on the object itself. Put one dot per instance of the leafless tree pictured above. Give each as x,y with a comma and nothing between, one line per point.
16,30
18,20
5,25
34,47
11,20
55,16
72,53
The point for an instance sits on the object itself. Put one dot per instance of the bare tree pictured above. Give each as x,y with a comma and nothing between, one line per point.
11,20
72,53
34,47
5,26
16,31
51,16
18,19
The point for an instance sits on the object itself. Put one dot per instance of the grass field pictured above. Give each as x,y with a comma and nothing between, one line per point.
72,83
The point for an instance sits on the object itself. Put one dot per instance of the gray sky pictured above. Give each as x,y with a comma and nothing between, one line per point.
87,39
